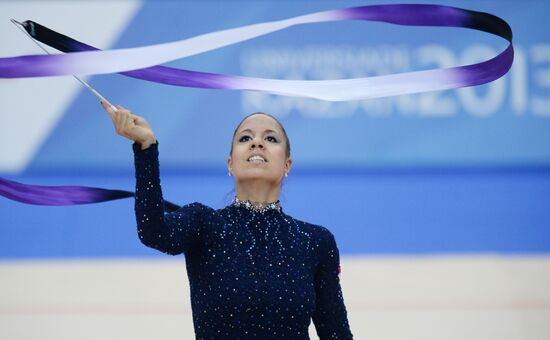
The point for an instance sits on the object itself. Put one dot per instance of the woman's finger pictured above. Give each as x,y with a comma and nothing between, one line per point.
128,122
134,119
107,108
140,121
120,116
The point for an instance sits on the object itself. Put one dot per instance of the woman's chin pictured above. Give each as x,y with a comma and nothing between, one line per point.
257,174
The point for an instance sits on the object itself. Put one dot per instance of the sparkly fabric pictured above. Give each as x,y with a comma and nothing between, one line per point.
252,275
257,207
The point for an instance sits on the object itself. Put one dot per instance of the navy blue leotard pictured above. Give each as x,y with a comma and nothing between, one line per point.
252,275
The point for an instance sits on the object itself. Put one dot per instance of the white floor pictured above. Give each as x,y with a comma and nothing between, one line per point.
428,297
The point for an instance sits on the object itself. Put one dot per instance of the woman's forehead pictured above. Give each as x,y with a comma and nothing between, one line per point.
259,123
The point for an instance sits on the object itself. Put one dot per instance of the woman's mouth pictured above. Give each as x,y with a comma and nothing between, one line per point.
256,159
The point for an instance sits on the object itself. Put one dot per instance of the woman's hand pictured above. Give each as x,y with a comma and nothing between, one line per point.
130,125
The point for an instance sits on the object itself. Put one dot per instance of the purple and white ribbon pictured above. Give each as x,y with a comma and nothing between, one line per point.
63,195
140,62
143,63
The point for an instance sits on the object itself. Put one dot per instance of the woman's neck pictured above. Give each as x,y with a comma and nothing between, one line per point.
258,192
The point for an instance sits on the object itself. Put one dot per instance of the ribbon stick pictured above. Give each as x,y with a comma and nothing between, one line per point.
140,62
80,80
143,63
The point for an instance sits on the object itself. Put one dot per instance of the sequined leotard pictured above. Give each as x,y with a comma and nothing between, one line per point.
252,275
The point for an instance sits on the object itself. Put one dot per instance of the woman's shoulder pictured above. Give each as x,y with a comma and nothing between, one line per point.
322,238
205,210
197,208
195,205
313,228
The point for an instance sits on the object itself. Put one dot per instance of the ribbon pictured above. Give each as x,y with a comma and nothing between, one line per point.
64,195
142,63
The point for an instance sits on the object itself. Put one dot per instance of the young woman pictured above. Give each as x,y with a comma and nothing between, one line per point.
254,271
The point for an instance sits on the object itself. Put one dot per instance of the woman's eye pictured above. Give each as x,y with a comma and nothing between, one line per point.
269,138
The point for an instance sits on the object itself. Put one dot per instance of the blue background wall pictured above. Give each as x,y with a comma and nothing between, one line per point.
464,171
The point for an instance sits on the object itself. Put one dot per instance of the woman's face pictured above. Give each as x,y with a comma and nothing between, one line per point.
259,150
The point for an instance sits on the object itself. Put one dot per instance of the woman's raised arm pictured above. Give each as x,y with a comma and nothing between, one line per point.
172,233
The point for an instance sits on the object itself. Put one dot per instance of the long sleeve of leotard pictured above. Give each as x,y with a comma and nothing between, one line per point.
330,315
172,233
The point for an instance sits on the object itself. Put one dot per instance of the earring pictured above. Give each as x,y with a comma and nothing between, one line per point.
286,175
229,172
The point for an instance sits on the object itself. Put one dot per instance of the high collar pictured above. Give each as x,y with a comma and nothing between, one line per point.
257,208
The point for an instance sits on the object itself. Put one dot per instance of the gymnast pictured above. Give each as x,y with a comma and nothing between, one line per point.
254,271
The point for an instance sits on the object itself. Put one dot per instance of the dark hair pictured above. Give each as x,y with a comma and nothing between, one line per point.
266,114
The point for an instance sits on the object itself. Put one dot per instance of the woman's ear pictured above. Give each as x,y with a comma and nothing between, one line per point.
229,165
288,165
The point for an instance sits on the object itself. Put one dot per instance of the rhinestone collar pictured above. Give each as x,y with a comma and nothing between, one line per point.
258,207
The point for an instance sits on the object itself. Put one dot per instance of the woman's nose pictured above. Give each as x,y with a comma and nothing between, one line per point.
257,143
